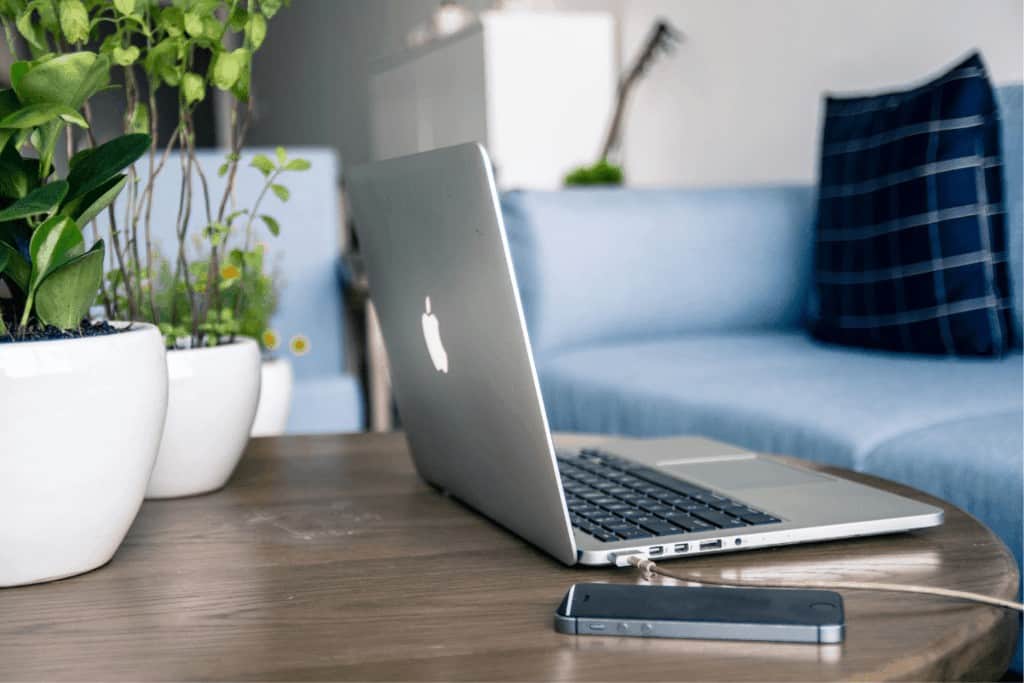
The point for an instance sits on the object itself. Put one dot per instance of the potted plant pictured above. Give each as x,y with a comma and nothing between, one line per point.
81,403
214,370
256,293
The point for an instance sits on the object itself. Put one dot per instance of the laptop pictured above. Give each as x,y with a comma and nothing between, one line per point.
463,375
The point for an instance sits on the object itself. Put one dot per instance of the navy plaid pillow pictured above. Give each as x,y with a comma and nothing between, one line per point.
911,248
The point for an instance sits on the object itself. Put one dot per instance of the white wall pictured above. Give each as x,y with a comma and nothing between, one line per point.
739,101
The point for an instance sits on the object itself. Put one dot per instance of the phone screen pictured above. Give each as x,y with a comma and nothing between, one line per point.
711,604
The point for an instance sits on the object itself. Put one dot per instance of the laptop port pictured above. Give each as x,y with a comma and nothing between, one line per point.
711,545
655,550
681,547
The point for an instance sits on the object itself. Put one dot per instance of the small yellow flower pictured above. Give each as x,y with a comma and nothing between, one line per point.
299,345
270,340
230,271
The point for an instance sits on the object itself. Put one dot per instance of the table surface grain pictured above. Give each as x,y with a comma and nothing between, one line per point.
327,558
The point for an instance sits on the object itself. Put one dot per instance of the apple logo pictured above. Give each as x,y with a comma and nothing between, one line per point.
432,335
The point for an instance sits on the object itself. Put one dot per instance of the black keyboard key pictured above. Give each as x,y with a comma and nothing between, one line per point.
719,519
759,518
688,523
691,505
633,514
634,533
655,507
608,521
666,481
604,500
659,527
617,508
738,510
602,535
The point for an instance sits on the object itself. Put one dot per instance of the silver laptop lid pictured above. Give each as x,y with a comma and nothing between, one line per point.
462,370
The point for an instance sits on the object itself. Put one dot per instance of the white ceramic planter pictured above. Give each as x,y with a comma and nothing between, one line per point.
210,409
275,398
80,423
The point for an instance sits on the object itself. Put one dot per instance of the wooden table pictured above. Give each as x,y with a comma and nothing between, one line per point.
326,558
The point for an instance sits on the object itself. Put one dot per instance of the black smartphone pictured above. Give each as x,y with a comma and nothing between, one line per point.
772,614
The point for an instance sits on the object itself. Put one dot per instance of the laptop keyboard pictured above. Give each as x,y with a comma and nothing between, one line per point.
614,500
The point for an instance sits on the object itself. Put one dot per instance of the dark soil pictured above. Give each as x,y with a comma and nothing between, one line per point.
36,333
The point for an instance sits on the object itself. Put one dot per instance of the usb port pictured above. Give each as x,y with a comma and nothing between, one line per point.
681,547
711,545
656,550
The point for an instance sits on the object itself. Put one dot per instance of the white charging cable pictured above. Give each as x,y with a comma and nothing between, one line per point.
649,569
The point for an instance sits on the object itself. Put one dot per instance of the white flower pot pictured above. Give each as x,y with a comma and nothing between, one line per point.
80,423
275,398
211,404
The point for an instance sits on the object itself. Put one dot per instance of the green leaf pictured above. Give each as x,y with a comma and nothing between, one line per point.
125,56
298,165
263,163
68,79
193,88
104,162
223,170
227,67
140,118
80,157
44,139
18,270
18,69
172,20
163,61
74,20
271,7
272,225
35,115
54,243
256,29
67,293
281,191
126,7
87,207
15,178
193,24
241,89
282,156
31,31
213,30
43,199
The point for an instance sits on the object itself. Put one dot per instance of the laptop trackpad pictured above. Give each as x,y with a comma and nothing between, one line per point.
745,474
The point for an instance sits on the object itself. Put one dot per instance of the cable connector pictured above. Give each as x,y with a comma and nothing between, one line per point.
646,567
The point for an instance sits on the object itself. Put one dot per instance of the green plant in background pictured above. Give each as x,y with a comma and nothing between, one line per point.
193,47
246,292
601,173
51,278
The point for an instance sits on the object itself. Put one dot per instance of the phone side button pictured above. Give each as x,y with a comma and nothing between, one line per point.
597,626
647,629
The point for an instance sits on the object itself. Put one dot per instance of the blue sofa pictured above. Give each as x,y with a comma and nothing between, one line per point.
325,397
656,312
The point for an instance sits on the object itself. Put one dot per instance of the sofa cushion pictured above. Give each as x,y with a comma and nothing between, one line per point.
607,264
771,391
973,462
911,250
